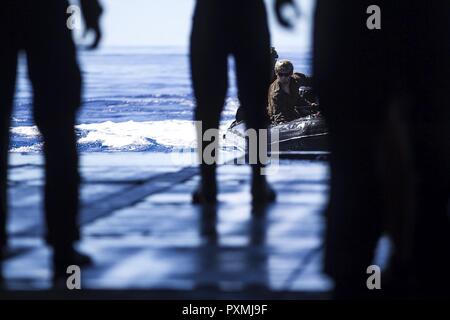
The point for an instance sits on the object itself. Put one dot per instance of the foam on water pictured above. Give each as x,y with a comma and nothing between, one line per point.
156,136
136,135
26,131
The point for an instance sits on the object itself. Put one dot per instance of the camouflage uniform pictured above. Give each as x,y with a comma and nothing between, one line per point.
282,106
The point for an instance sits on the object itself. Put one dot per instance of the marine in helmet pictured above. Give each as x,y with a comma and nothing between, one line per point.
285,103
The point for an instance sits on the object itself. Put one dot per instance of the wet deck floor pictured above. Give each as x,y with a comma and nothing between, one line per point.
147,239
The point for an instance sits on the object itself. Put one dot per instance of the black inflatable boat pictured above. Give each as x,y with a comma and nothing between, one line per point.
304,134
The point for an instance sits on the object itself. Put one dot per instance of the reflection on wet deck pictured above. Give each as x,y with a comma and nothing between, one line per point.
145,236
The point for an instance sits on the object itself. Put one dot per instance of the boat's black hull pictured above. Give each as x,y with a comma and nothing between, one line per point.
304,134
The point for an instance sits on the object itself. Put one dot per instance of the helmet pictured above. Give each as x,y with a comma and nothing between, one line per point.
284,66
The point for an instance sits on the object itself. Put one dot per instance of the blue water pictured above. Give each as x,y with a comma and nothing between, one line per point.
135,99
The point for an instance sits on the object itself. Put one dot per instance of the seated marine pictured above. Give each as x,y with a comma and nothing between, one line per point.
285,102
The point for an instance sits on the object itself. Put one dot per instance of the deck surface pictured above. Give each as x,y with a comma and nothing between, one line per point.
147,240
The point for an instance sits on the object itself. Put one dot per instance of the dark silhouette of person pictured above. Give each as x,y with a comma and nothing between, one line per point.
39,29
240,111
220,29
389,141
384,93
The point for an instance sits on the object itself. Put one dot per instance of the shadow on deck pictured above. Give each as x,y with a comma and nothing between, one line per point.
149,242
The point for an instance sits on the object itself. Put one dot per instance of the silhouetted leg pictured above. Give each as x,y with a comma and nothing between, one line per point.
431,134
432,231
55,117
354,212
254,67
8,65
348,56
209,68
56,82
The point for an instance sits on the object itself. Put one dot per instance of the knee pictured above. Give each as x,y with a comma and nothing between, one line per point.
58,99
208,110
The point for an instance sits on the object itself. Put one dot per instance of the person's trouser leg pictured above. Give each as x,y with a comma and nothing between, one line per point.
56,81
253,70
209,68
8,65
346,55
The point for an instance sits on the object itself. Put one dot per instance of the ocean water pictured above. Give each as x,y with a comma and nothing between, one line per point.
135,99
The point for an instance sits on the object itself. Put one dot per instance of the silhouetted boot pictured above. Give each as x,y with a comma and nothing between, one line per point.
63,257
200,196
206,192
262,192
